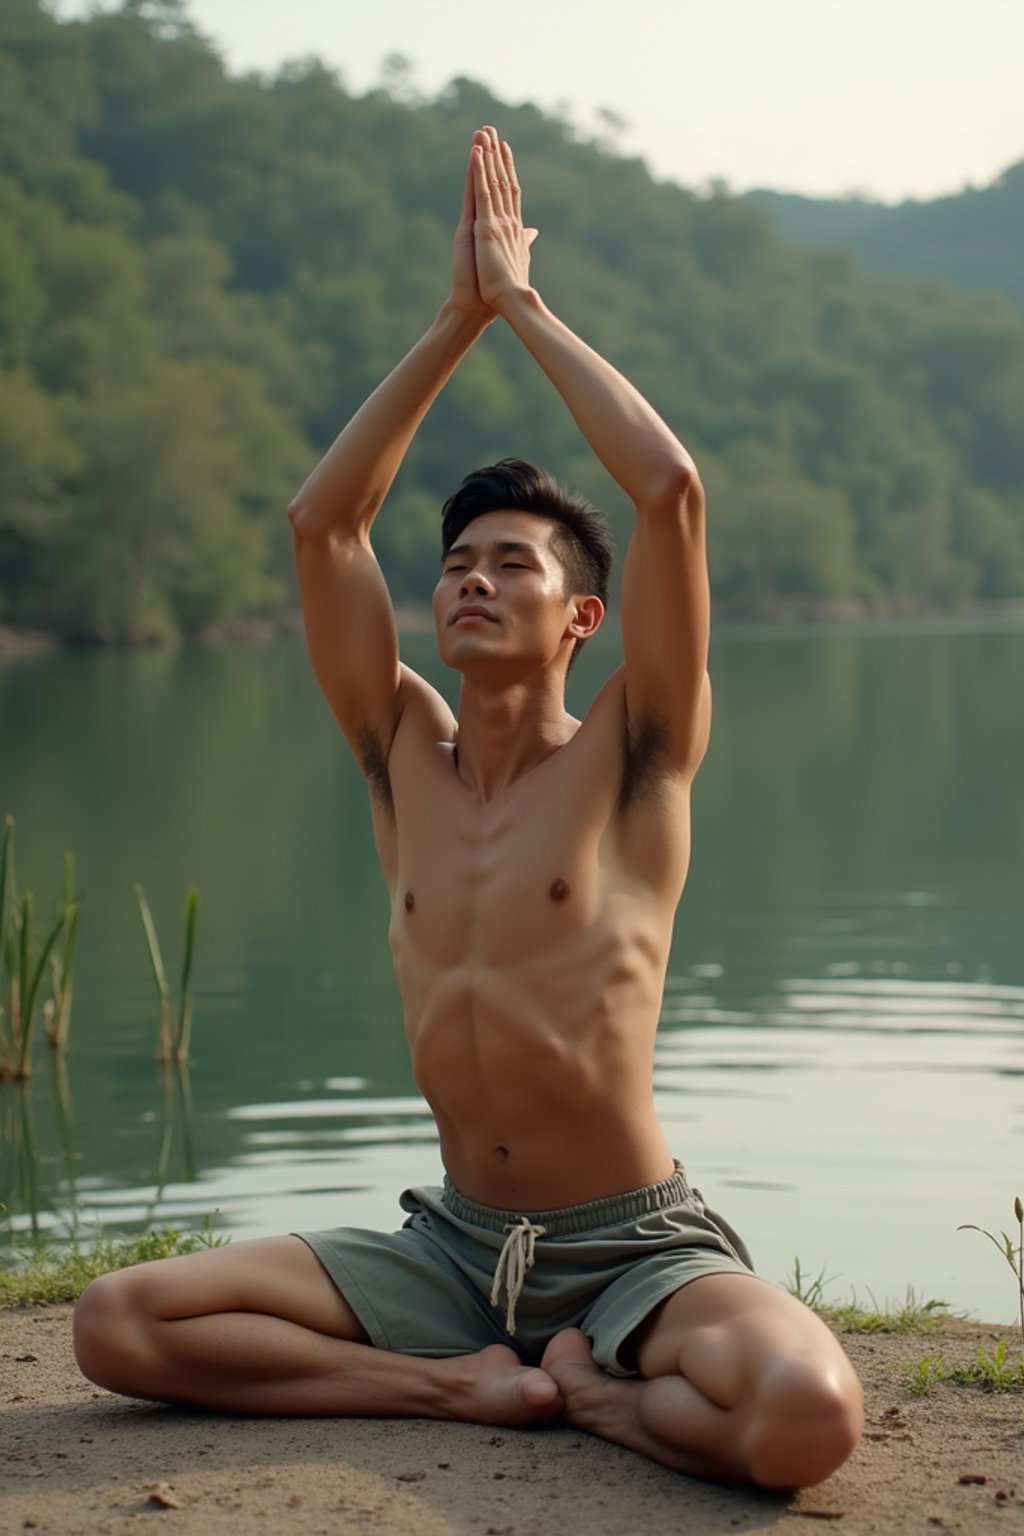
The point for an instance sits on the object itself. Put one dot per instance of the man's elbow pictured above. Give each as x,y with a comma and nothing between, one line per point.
679,493
306,522
297,514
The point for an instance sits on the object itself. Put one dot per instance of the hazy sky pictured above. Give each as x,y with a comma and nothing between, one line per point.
892,97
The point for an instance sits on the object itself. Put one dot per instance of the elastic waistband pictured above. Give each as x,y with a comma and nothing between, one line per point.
568,1219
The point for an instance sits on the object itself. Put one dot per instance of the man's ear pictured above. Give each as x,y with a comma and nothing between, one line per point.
587,615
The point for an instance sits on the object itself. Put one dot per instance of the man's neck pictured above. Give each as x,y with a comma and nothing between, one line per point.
504,731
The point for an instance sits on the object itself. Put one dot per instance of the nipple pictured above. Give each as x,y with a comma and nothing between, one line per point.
410,902
558,890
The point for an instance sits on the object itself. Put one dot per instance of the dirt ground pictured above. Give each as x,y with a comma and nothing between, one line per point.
75,1462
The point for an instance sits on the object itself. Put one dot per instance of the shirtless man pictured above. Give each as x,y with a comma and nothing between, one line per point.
535,863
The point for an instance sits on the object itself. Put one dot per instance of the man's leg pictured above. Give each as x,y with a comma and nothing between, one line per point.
741,1381
258,1327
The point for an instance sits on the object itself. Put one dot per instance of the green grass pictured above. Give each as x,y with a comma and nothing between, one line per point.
50,1275
991,1372
908,1316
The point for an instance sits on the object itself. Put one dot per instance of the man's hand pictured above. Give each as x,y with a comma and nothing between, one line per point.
502,244
465,288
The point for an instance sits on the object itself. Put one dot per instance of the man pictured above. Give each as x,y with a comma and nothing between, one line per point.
566,1270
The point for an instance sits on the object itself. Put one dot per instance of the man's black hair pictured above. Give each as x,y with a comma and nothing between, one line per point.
581,538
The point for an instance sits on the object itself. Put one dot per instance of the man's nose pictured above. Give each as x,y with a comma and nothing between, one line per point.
474,581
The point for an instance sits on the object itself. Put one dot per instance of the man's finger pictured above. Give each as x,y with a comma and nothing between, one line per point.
468,210
513,180
481,187
500,190
469,190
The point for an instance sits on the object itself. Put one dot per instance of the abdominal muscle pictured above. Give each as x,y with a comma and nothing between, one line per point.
538,1108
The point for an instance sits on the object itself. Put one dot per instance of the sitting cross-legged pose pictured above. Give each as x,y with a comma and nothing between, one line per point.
566,1269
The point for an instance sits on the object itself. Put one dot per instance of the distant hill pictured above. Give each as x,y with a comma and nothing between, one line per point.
202,277
973,240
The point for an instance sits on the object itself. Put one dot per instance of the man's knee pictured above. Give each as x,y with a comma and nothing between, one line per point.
807,1419
109,1331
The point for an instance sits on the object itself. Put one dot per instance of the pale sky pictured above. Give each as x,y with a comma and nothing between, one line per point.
894,98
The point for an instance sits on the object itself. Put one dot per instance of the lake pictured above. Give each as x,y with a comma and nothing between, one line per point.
841,1057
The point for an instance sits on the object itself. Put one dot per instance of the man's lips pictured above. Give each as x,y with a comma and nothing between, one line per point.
470,614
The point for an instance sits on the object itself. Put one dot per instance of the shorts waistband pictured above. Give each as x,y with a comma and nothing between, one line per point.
567,1219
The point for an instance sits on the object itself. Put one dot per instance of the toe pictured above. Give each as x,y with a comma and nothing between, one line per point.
570,1347
539,1389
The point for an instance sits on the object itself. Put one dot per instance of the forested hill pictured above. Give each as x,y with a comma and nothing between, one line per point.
201,277
974,240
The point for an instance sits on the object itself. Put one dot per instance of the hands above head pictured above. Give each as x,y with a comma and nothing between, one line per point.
501,243
466,295
492,248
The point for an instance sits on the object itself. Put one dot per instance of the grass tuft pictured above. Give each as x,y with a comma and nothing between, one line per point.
988,1371
909,1316
49,1275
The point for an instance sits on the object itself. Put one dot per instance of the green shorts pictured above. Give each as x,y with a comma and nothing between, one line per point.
602,1267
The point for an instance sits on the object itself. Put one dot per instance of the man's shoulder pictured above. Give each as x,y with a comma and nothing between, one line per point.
424,715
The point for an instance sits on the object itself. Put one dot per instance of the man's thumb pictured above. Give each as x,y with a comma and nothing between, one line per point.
531,235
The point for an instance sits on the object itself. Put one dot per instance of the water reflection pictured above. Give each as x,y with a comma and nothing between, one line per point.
43,1189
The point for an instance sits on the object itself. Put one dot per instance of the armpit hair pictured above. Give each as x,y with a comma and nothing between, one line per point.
373,755
644,757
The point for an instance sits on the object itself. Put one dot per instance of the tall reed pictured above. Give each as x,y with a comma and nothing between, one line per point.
1014,1255
172,1048
23,968
62,964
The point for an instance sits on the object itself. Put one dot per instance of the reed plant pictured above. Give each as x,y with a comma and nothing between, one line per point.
22,967
1014,1256
57,1012
172,1047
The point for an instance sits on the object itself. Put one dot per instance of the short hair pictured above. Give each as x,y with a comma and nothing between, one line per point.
581,538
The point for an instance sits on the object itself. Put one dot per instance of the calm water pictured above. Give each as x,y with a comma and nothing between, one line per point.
841,1059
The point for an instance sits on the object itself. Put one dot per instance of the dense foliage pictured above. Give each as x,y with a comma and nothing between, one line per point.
973,239
201,277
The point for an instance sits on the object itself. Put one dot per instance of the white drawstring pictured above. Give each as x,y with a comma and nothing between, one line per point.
515,1259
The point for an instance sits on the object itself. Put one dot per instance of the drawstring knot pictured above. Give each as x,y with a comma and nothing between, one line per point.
515,1259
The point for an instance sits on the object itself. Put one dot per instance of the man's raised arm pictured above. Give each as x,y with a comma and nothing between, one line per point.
665,598
349,621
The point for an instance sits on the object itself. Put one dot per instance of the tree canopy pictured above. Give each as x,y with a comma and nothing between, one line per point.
201,277
972,239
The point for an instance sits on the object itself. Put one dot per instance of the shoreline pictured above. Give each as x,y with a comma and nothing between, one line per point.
81,1462
411,618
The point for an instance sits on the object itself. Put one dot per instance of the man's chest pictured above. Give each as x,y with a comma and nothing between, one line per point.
486,881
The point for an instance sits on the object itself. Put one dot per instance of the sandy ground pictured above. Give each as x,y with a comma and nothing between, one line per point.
76,1460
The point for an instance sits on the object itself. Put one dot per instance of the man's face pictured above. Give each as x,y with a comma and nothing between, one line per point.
500,603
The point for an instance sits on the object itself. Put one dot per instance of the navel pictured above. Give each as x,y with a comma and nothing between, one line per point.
501,1152
410,902
559,890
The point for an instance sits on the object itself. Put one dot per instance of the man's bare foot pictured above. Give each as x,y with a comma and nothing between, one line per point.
665,1418
494,1387
605,1405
